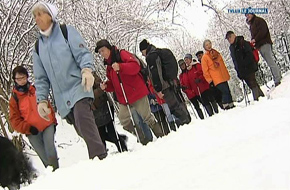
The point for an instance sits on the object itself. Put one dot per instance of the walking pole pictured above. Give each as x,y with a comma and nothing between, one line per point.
111,114
127,103
202,101
245,94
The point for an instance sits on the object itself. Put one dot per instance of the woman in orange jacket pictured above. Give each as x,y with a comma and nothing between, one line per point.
216,73
25,119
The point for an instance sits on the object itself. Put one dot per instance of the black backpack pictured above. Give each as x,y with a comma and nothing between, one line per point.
63,29
169,64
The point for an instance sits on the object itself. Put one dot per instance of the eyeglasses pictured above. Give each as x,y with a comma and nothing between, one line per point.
20,78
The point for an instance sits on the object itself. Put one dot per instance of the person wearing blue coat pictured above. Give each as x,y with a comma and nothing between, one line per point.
65,65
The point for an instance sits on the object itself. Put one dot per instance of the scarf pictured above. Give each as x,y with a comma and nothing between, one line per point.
213,54
23,88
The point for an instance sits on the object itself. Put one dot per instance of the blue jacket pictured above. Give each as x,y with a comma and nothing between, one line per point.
59,66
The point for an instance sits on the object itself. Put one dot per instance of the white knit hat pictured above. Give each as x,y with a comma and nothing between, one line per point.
50,9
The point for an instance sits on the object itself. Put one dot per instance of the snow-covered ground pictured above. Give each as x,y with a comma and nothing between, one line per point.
243,148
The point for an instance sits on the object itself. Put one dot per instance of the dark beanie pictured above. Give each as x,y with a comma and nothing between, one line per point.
199,52
143,45
103,43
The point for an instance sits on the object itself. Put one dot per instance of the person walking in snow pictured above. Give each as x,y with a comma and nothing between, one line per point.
216,73
123,67
163,71
199,85
104,117
217,94
62,62
25,119
193,96
262,40
244,62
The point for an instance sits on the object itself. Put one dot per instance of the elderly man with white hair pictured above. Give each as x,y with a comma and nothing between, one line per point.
62,61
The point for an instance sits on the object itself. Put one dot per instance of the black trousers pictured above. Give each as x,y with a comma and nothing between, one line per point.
108,133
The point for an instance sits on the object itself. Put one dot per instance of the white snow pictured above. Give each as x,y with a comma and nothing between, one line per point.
243,148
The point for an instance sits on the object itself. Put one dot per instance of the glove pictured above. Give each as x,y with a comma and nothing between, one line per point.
211,85
33,130
197,80
43,110
153,102
87,79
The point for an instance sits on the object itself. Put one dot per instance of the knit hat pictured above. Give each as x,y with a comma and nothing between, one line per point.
102,43
49,8
188,55
143,45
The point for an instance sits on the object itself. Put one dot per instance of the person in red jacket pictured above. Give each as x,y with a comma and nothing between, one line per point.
25,118
199,85
123,67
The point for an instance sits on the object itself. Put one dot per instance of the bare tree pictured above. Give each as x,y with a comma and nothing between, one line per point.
16,42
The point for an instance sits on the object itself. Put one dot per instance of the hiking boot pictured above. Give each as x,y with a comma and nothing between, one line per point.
277,83
103,156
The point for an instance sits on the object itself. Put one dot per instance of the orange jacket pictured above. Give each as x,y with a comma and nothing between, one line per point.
24,114
214,71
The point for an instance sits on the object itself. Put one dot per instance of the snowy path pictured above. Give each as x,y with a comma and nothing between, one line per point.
243,148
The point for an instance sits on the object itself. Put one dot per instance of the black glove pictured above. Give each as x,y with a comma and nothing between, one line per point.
197,80
211,85
33,130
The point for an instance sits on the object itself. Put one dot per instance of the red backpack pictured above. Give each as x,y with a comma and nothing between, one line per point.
255,53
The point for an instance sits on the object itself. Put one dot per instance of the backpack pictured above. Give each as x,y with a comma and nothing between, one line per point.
144,71
169,64
63,29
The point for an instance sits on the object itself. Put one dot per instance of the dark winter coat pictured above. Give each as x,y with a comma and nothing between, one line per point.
154,64
243,58
260,31
133,83
100,106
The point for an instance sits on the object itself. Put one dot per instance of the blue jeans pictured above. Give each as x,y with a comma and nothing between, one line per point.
226,93
170,117
43,143
146,130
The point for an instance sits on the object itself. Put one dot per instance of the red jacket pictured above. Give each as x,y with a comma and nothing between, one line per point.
187,80
133,83
24,114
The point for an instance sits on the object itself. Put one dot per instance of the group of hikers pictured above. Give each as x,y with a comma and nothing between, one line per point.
149,95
